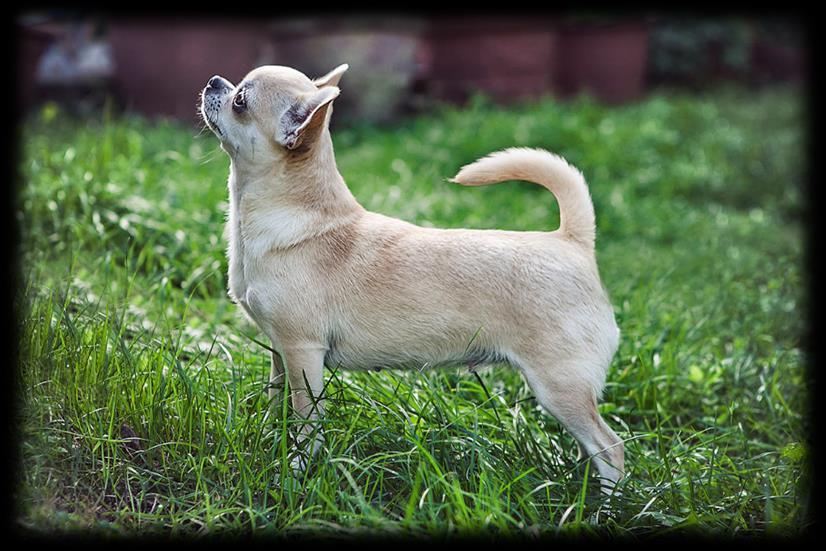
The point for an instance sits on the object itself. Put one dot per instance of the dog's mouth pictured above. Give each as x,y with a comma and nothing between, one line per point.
212,125
209,110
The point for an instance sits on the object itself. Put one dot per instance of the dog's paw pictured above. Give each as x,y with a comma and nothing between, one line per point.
298,465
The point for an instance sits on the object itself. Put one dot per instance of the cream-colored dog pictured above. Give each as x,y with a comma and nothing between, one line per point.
332,283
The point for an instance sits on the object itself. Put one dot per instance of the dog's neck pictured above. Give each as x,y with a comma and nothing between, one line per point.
279,205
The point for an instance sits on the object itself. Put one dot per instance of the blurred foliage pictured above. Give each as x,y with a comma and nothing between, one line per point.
699,50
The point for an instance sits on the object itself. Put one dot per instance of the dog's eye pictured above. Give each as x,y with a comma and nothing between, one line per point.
239,102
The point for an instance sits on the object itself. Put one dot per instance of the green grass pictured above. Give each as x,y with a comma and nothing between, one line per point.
141,388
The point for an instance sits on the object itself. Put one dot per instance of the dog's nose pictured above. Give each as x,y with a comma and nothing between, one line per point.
218,83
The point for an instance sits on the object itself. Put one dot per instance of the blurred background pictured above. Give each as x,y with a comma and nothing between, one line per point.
398,65
690,132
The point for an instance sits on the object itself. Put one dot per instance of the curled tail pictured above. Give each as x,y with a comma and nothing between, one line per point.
576,216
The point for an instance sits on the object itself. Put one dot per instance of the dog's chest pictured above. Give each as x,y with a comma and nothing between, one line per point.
259,276
248,281
245,257
237,280
235,251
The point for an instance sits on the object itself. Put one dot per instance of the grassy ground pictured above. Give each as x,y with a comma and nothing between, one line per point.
140,388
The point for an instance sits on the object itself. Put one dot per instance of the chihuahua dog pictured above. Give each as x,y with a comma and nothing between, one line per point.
331,283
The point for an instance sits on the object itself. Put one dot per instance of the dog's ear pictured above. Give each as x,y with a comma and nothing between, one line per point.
331,78
305,116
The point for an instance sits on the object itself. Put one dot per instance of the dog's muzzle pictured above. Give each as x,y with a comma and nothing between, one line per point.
216,89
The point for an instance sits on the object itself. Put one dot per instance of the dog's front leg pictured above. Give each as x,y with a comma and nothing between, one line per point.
305,369
275,388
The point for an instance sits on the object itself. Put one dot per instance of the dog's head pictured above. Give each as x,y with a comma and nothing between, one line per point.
273,111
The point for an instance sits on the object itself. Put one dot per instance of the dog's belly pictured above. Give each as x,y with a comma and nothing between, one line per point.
414,340
342,356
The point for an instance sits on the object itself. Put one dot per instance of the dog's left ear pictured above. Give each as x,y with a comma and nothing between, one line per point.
305,116
331,78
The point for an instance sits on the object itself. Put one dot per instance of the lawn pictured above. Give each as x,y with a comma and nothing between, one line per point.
140,387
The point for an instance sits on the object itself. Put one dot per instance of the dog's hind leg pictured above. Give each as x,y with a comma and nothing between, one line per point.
565,391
